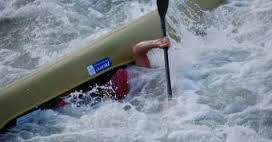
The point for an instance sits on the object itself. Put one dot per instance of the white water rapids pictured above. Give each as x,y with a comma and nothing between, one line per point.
222,80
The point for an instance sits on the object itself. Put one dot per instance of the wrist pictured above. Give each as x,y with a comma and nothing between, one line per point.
155,43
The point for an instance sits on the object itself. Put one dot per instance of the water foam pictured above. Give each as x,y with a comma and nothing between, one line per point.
221,82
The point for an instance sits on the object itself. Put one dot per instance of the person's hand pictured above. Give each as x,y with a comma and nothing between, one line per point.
162,42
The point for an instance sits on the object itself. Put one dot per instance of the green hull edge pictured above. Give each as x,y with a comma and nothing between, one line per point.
70,71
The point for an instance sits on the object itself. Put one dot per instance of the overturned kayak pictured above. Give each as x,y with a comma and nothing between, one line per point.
107,53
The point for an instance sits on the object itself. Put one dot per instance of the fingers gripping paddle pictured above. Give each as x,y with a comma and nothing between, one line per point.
162,8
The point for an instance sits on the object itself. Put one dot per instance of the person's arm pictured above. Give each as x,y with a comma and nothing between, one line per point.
141,49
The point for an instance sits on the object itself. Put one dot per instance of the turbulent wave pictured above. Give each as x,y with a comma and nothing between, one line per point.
221,73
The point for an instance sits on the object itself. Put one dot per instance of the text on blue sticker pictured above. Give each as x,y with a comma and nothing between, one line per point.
99,66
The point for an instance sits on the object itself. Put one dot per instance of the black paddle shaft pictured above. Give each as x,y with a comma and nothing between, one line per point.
162,9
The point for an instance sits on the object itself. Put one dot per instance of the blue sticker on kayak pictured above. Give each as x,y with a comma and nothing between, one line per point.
99,66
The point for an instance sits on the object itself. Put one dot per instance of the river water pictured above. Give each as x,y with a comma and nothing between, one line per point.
221,78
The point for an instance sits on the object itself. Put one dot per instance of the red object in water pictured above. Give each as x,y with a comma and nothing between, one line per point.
120,84
61,102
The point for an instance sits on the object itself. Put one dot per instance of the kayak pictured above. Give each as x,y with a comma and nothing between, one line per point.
105,54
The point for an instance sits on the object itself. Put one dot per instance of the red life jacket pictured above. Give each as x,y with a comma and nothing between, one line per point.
120,84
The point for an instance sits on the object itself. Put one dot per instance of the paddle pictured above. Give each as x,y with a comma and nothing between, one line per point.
162,9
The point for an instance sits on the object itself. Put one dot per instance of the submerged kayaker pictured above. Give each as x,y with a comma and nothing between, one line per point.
118,86
140,50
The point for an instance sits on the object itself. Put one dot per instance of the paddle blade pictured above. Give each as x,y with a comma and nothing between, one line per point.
162,7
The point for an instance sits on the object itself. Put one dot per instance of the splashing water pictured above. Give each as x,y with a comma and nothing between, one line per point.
221,82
